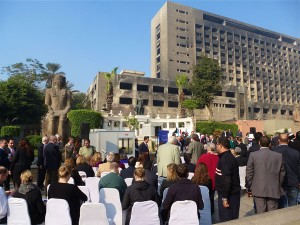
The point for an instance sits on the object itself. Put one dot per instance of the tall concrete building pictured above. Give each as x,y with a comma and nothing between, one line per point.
260,67
260,77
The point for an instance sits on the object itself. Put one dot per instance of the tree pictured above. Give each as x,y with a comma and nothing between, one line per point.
205,82
32,71
181,82
78,101
109,87
22,100
133,123
52,69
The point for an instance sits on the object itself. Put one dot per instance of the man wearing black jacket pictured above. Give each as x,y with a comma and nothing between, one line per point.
227,182
291,181
40,163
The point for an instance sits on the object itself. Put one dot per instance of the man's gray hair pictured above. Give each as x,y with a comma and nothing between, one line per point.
45,138
110,157
172,139
212,147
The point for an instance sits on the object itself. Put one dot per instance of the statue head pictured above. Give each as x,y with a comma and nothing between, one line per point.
58,81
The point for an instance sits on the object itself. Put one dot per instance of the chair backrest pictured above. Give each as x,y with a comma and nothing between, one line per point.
82,174
92,184
242,172
71,181
110,197
165,194
184,212
138,215
190,175
205,213
128,181
126,165
18,212
57,212
93,214
95,170
86,191
104,174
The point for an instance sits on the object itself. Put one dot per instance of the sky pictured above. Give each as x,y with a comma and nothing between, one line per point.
86,37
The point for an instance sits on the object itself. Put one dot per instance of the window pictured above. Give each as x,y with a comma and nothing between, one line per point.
125,101
141,87
172,90
230,94
158,103
125,86
158,89
172,104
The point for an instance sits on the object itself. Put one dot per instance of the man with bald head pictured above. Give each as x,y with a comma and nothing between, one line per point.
291,182
113,180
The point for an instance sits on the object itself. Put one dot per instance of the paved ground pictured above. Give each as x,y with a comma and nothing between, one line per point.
246,208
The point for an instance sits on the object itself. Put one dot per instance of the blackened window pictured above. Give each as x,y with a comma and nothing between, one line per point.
141,87
230,94
125,86
172,104
158,89
172,90
158,103
126,101
187,92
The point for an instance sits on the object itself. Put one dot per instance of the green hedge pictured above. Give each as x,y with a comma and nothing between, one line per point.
10,131
34,140
77,117
205,127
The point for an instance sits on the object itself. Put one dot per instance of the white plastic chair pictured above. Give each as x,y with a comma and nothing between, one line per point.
86,191
104,174
95,170
128,181
184,212
71,180
57,212
190,175
205,213
92,184
138,215
93,214
126,165
165,194
18,212
242,172
111,199
83,176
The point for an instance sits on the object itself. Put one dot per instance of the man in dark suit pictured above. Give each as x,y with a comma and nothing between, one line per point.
41,163
264,176
52,159
128,172
291,182
10,151
242,146
225,134
255,144
4,159
144,149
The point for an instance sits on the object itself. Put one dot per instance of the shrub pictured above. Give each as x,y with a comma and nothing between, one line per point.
34,140
77,117
10,131
205,127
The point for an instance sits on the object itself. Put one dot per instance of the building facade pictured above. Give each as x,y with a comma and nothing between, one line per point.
260,77
260,67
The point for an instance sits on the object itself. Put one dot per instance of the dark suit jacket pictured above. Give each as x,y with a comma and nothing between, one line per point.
4,161
143,148
127,173
291,159
40,161
243,149
52,156
265,173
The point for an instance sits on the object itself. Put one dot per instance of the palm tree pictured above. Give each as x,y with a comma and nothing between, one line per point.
52,69
110,88
181,82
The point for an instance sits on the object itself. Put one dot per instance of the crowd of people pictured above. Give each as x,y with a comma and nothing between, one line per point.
272,173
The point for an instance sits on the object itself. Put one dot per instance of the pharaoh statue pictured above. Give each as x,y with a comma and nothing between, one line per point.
58,101
296,113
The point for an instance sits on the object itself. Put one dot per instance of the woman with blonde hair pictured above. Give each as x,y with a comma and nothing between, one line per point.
83,166
171,178
70,192
33,197
96,160
74,173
